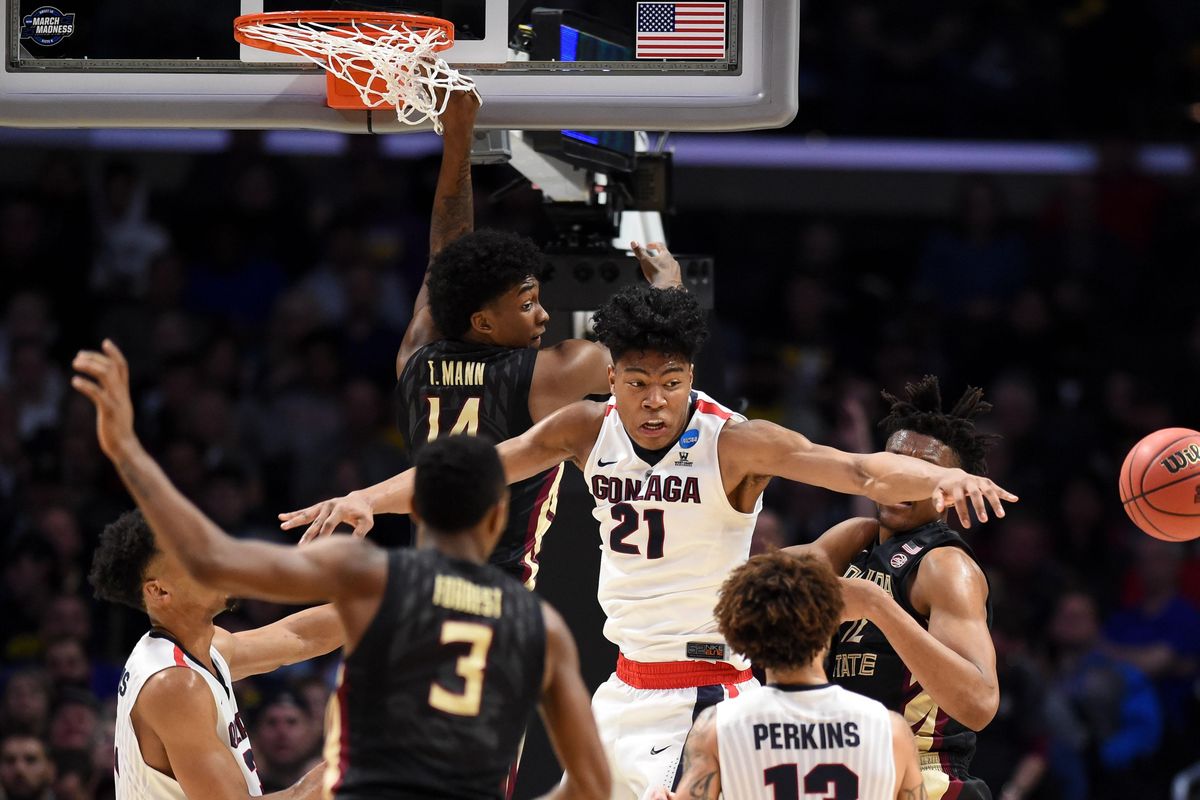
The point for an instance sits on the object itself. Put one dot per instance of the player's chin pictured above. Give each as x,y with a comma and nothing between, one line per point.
896,517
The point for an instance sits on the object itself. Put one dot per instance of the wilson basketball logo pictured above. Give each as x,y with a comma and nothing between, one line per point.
1182,458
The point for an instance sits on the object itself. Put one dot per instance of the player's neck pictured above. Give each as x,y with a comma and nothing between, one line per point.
886,533
461,547
192,635
812,674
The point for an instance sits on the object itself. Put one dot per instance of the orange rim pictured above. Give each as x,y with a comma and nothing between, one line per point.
413,22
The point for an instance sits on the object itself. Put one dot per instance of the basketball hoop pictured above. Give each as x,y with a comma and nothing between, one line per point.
372,59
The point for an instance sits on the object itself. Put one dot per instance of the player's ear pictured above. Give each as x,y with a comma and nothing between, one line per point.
480,321
153,593
612,378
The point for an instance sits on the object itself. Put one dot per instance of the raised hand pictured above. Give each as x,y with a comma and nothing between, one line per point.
963,491
658,265
107,385
324,517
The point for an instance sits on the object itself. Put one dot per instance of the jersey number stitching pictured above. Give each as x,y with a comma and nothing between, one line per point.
831,781
854,633
469,667
467,422
627,516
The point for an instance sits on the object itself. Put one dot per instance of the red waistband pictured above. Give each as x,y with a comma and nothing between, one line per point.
678,674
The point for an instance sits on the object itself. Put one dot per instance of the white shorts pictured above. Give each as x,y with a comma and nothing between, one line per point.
643,730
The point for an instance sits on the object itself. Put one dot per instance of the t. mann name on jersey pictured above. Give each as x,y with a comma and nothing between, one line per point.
669,537
809,739
154,652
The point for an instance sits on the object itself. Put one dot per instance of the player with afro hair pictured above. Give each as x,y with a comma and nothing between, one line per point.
918,599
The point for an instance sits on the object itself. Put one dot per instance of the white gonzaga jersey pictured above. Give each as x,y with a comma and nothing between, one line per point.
668,539
154,652
805,741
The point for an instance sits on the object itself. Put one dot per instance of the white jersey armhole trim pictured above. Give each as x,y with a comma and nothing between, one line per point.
735,419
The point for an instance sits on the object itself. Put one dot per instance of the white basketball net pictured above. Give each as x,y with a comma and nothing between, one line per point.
390,65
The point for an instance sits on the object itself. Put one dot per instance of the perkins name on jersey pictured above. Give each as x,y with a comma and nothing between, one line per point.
805,736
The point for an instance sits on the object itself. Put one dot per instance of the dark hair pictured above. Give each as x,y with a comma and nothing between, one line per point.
921,412
475,269
662,320
780,610
459,479
119,565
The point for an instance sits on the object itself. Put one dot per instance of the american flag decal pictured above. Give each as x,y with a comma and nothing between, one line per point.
680,30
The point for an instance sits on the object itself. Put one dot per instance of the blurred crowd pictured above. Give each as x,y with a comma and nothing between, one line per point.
261,306
1000,68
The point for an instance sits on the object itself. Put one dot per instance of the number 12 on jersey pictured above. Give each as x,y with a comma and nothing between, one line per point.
467,422
828,781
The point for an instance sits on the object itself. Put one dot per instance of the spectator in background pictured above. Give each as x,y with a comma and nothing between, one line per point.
1160,635
26,705
974,271
283,744
75,723
74,775
127,240
30,585
1102,714
26,771
1012,750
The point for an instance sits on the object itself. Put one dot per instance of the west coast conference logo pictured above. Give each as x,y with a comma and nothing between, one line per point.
47,25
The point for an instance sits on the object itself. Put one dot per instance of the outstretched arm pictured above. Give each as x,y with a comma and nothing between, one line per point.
453,212
953,658
567,712
701,775
298,637
338,568
761,448
840,544
559,437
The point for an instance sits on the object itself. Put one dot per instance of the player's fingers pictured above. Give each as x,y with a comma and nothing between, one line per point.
939,501
979,503
118,359
637,248
994,493
90,362
329,523
87,388
364,526
294,519
960,506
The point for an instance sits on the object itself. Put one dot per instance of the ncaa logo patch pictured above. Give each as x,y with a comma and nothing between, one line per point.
899,560
689,438
47,26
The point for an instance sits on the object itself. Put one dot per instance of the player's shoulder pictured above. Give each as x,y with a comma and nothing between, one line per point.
174,690
952,564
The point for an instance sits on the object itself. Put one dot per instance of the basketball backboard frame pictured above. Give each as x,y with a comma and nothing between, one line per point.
755,87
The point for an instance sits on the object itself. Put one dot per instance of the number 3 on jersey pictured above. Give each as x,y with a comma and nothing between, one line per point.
467,422
469,667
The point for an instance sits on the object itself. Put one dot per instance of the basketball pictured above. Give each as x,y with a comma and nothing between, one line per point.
1160,484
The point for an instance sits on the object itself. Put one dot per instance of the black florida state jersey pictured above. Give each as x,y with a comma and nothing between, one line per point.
862,660
434,700
453,387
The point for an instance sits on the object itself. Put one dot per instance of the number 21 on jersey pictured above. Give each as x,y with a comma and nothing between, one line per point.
467,422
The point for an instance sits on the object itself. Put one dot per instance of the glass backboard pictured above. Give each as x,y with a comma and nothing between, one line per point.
585,64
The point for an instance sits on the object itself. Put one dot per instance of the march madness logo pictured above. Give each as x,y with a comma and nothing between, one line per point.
47,26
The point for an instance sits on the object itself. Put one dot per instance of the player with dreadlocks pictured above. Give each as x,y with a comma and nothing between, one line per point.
916,632
677,480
